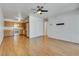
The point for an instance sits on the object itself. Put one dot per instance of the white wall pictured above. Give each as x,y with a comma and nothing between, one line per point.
36,26
1,26
69,31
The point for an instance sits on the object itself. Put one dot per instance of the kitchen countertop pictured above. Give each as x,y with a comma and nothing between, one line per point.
12,20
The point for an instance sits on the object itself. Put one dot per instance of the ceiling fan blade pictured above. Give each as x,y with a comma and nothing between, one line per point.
44,10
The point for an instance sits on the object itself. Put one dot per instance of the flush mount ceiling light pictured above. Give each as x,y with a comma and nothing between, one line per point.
39,10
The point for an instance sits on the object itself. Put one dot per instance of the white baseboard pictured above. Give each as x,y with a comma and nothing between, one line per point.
62,39
36,36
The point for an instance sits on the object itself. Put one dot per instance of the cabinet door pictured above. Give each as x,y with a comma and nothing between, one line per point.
9,24
8,32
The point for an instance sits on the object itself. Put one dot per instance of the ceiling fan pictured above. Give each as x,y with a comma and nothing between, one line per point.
39,10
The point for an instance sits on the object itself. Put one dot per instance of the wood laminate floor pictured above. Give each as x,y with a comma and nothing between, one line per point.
41,46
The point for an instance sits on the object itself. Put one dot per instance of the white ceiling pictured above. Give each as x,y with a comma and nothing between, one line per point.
10,10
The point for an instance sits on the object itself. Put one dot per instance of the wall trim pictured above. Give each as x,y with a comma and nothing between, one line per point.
63,40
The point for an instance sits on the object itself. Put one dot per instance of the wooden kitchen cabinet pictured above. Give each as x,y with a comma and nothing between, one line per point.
16,28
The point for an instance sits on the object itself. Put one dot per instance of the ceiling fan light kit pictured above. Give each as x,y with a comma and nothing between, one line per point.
39,12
